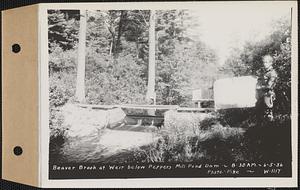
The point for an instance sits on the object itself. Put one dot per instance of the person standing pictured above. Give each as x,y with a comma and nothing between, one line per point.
266,83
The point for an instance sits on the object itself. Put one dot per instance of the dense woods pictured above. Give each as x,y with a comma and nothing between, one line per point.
117,53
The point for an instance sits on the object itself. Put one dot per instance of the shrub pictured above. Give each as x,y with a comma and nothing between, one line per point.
194,137
183,122
61,88
60,60
270,142
113,81
61,91
238,117
57,132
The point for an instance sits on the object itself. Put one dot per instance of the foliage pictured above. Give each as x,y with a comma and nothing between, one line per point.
248,61
182,143
117,55
113,81
57,133
191,66
269,142
62,88
63,27
60,60
183,63
56,123
220,138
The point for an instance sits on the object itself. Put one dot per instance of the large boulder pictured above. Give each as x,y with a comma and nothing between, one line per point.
115,117
86,121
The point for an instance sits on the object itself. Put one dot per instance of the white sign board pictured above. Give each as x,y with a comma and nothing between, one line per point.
236,92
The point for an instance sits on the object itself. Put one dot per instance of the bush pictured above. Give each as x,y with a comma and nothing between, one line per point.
56,123
113,81
57,132
61,91
238,117
269,142
184,123
60,60
194,137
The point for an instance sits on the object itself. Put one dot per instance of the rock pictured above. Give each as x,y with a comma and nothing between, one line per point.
115,117
86,121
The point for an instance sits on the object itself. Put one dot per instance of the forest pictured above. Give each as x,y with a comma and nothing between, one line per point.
117,57
117,51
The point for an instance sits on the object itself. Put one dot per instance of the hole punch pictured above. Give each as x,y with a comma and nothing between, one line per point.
16,48
18,150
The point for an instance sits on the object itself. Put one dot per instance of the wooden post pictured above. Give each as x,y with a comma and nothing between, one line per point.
80,84
199,104
151,96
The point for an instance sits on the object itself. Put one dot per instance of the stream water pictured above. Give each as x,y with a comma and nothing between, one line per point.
108,145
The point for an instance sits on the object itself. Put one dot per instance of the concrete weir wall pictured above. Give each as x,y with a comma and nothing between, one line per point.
86,121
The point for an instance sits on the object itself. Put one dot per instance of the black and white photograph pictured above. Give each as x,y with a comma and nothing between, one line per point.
137,93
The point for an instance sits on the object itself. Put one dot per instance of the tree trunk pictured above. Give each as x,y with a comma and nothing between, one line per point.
120,30
137,49
111,48
150,96
80,84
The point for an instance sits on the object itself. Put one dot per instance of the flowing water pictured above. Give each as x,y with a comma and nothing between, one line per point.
108,145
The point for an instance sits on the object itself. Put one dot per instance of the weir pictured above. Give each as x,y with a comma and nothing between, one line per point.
145,107
241,90
137,114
